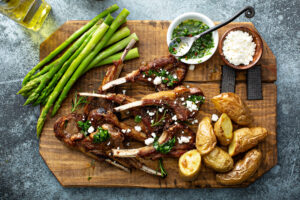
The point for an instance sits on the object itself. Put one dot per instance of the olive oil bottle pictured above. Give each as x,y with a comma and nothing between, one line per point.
28,13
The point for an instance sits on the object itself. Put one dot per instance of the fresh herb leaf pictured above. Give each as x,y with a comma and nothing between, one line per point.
78,102
160,121
101,135
89,178
138,119
84,126
162,169
196,99
165,147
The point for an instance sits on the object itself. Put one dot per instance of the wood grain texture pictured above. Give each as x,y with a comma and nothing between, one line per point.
72,168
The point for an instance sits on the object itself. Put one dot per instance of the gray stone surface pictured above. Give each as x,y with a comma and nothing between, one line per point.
23,173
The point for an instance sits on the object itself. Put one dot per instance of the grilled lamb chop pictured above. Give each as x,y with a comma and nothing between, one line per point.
182,100
165,73
66,129
180,147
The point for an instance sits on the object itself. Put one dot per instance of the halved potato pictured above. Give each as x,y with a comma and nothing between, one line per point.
218,160
205,138
189,165
223,130
234,107
246,138
242,170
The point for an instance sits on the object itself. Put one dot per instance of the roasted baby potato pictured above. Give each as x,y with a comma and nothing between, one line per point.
223,130
218,160
205,138
242,170
234,107
246,138
189,165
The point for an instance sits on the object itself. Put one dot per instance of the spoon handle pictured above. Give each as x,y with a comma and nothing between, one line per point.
249,13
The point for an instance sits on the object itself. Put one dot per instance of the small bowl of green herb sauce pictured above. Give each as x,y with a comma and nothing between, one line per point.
188,25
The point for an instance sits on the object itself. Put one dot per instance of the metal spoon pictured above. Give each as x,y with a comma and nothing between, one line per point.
182,45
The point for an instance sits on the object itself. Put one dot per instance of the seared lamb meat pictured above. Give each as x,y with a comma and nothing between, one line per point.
183,101
165,73
175,132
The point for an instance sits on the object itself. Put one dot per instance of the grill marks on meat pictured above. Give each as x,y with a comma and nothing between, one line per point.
169,63
99,115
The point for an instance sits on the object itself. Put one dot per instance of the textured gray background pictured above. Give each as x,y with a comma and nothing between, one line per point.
23,173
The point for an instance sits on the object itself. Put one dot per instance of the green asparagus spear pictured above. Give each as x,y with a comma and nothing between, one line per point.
133,53
111,50
43,71
50,87
31,84
115,25
47,91
58,63
66,43
61,84
120,34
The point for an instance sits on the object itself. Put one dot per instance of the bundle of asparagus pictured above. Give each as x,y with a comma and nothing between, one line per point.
97,43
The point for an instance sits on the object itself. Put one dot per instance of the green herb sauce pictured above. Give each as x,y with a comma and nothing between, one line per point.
189,28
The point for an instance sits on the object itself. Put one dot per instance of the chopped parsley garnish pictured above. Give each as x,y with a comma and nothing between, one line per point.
89,178
84,126
167,78
101,135
161,168
78,102
137,119
165,147
196,99
158,122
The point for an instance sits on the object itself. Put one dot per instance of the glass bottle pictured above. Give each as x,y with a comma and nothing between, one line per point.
28,13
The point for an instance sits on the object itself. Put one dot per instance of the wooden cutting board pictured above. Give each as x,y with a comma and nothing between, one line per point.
72,168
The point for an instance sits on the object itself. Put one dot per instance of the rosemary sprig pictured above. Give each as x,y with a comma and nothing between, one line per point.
160,121
77,103
162,169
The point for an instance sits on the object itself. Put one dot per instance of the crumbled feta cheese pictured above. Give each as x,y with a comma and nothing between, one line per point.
183,139
192,67
175,76
149,79
174,118
91,129
151,114
153,135
161,109
167,72
175,122
124,91
214,117
191,106
239,48
138,128
182,98
143,75
108,143
128,144
157,80
195,121
128,131
187,86
118,147
152,121
149,141
123,131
